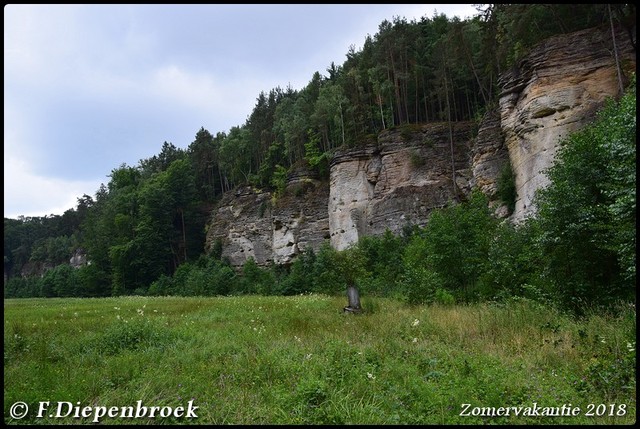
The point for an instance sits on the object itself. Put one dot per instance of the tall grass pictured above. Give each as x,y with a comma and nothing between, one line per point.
300,360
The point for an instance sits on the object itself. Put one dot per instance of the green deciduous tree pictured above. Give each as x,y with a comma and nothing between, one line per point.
450,252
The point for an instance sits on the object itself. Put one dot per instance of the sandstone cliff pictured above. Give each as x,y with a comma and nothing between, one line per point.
390,184
251,223
489,155
552,92
397,180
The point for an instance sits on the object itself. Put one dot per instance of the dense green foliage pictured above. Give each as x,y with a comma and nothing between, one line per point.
144,231
299,360
507,187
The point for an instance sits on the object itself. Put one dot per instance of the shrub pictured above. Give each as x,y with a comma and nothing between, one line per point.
455,244
299,279
255,279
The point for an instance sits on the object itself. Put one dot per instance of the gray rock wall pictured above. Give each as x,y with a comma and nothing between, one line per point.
250,223
554,91
399,179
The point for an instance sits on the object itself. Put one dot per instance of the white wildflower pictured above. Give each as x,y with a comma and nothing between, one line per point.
416,322
371,376
415,340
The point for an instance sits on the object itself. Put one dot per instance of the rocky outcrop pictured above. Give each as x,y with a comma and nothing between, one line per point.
250,223
242,226
79,258
398,181
299,219
552,92
489,156
35,269
389,184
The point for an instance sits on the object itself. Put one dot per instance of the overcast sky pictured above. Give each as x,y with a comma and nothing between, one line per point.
90,87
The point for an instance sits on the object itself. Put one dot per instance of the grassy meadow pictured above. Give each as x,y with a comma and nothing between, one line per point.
300,360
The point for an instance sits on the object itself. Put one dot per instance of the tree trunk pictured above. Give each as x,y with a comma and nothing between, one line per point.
473,69
184,235
453,163
381,112
615,51
341,122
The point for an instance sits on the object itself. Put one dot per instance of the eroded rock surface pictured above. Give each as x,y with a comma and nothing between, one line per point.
554,91
398,181
250,223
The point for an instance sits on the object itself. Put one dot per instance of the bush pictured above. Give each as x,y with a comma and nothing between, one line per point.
453,247
255,279
443,297
511,263
381,267
299,279
420,285
161,287
334,271
60,281
21,287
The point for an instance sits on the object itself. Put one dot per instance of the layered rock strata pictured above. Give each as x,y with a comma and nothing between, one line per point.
397,182
250,223
391,184
489,156
552,92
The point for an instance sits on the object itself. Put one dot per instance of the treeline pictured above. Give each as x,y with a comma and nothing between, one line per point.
147,225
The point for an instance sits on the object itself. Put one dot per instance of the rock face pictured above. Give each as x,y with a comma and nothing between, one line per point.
398,181
489,155
79,258
552,92
390,184
248,223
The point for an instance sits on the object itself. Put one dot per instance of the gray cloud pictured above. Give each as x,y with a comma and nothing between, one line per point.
88,87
